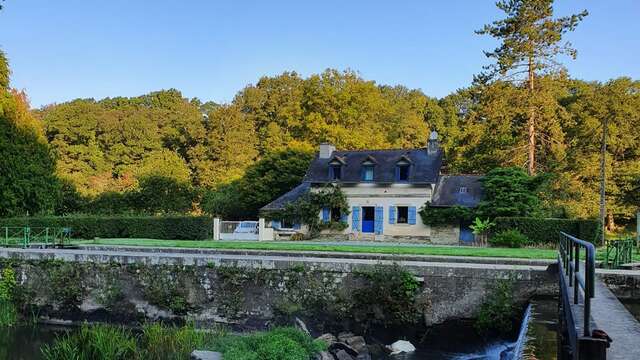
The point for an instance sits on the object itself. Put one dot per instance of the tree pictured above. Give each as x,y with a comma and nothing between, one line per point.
162,195
510,192
28,184
530,43
263,182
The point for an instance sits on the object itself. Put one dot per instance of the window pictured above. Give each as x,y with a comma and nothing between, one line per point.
463,190
286,224
336,172
367,173
336,216
403,214
403,172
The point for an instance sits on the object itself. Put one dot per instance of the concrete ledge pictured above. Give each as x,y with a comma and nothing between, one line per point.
325,254
332,264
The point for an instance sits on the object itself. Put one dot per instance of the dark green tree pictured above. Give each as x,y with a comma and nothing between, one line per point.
530,42
510,192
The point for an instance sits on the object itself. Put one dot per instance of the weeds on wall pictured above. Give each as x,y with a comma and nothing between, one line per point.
388,296
498,311
8,312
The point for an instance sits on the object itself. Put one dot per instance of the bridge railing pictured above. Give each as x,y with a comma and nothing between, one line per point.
580,270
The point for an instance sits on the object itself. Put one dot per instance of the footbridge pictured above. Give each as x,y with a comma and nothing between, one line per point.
593,324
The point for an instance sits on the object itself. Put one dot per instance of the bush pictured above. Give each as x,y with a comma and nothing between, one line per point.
276,344
498,311
542,231
179,227
509,238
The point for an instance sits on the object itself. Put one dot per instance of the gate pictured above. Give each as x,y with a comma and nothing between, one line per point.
238,230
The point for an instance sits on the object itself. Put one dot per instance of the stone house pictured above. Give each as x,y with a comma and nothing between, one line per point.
385,190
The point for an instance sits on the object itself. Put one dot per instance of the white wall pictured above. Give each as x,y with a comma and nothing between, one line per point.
390,195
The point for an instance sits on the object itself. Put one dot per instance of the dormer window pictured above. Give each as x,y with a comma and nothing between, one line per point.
368,166
367,173
402,169
335,168
336,172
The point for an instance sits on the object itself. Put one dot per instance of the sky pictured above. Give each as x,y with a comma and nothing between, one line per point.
62,50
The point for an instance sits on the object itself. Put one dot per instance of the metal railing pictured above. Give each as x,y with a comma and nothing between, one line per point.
27,236
618,253
581,276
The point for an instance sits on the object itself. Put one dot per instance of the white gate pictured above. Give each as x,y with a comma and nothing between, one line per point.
238,230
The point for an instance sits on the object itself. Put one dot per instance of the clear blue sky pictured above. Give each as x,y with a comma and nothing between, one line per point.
61,50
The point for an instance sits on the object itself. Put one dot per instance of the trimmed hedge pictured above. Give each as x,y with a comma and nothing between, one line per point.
545,231
180,227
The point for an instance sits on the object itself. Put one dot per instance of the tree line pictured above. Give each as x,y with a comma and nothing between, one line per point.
114,154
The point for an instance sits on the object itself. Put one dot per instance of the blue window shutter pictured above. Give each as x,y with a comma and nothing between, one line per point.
325,214
355,219
412,215
397,173
276,224
296,226
379,221
392,214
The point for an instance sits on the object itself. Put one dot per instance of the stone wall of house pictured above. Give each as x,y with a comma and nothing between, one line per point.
445,235
248,292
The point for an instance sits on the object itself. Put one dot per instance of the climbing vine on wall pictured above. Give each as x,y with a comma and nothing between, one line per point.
445,215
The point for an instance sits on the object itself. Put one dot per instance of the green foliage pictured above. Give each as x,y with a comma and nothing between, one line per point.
498,310
179,227
541,231
263,182
160,342
8,311
28,183
480,226
388,296
436,216
509,238
307,208
509,192
275,344
66,285
101,342
4,70
162,195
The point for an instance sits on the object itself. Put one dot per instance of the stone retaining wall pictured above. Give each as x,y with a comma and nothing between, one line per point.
247,291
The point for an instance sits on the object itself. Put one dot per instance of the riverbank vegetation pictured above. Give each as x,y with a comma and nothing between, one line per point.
162,342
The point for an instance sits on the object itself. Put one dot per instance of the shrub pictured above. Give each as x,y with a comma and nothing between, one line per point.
179,227
8,312
509,238
498,311
541,231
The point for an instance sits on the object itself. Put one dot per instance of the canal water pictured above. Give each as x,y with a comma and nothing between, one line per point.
453,343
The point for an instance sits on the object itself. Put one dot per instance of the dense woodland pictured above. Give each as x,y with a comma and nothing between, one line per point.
117,154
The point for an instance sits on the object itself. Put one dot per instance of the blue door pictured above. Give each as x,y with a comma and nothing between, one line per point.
368,219
466,234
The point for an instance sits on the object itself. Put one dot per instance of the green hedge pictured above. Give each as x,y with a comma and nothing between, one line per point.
545,231
150,227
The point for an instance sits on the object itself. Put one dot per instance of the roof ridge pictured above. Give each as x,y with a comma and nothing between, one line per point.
369,150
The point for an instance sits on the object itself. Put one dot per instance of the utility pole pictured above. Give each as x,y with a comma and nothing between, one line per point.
603,173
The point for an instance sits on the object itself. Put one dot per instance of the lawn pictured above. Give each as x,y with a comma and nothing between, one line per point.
525,253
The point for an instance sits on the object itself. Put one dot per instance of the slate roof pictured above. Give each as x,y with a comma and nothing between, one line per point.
424,166
287,198
447,192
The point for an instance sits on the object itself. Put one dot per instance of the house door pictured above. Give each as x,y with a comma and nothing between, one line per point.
368,219
466,234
